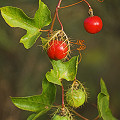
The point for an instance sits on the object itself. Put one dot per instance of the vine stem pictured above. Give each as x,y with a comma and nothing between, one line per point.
56,14
53,22
76,4
97,118
87,4
59,19
63,104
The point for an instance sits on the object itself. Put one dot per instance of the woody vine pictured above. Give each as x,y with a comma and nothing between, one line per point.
58,47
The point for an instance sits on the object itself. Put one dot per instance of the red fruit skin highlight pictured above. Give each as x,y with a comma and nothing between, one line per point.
57,50
93,24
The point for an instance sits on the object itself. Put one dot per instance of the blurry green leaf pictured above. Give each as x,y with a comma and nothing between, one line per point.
15,17
103,103
37,103
63,70
31,116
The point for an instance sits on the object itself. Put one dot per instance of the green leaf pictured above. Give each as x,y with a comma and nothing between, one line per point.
34,116
42,15
15,17
103,103
37,103
63,70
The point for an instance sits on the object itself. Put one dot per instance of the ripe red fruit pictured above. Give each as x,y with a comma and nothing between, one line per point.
57,50
93,24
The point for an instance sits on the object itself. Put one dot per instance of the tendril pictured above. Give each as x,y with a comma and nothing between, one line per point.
82,46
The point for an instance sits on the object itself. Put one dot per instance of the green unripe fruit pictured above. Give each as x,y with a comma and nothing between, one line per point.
75,98
58,117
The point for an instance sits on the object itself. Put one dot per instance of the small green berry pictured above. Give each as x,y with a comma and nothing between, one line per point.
75,98
58,117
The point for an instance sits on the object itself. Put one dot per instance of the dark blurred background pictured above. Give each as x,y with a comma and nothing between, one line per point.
22,71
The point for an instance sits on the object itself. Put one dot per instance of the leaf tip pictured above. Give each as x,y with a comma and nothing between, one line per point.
101,80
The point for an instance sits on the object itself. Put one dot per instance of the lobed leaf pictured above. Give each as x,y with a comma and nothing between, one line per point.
42,16
62,70
103,103
37,103
15,17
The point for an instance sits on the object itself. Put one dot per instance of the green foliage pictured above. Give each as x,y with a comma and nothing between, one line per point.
42,16
103,103
34,116
40,104
63,70
37,103
15,17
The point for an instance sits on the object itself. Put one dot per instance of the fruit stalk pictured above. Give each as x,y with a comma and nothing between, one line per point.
87,4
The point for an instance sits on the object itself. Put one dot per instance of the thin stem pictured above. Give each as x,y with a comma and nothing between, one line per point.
79,115
87,4
58,6
53,22
56,14
63,105
59,19
59,3
71,4
76,4
44,30
94,105
97,118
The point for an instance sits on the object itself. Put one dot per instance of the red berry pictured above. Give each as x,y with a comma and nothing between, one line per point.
57,50
93,24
